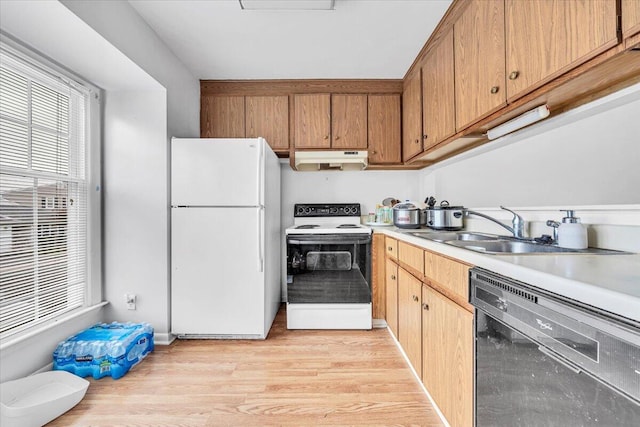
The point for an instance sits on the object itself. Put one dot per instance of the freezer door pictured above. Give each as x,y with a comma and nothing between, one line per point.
217,280
217,172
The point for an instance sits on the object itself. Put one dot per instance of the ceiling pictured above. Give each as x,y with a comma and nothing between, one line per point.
359,39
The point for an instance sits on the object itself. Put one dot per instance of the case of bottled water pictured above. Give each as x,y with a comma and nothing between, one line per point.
105,349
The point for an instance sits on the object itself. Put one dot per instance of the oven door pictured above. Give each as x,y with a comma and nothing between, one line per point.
329,268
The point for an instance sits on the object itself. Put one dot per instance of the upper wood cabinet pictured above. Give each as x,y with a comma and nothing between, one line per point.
222,117
630,10
412,117
349,121
447,356
438,93
410,318
545,38
479,50
268,117
384,129
312,118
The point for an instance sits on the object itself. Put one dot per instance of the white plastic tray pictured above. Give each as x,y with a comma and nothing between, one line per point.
40,398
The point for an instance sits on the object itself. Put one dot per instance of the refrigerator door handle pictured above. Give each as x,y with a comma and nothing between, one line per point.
260,253
260,170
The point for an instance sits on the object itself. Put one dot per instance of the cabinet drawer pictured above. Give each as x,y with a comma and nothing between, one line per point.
391,247
411,256
452,276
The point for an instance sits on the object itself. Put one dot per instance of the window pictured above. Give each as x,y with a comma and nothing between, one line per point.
43,194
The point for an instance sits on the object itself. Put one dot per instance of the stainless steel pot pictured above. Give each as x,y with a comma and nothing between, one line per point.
445,217
406,215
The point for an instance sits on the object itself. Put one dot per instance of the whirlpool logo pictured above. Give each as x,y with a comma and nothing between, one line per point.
543,325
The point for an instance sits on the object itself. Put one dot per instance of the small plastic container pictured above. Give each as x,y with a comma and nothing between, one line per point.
39,398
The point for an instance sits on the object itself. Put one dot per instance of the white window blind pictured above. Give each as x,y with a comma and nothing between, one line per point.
43,195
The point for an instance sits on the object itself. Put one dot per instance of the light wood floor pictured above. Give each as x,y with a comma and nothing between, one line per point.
291,378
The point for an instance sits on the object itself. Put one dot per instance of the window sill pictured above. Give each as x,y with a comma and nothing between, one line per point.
11,341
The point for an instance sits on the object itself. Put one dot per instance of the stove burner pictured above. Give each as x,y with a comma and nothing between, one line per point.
308,226
348,226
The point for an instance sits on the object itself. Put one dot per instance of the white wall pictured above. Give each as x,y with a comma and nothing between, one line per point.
588,156
137,161
134,191
365,187
115,50
27,356
120,25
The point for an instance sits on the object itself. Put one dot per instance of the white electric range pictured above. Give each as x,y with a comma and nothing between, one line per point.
328,268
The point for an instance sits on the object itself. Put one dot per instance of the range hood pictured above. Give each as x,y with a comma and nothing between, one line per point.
330,160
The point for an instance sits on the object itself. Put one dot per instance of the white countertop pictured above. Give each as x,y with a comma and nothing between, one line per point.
608,282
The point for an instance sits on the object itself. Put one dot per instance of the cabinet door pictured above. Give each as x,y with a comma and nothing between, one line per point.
378,277
545,38
412,256
312,120
449,275
222,117
479,61
268,117
384,129
630,17
391,247
410,318
412,117
391,309
447,339
349,121
438,93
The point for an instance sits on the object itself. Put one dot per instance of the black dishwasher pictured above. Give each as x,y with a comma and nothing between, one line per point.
543,360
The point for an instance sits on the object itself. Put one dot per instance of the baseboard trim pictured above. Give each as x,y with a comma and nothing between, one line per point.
415,374
163,338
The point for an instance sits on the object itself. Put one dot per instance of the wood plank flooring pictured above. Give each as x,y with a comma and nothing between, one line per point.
291,378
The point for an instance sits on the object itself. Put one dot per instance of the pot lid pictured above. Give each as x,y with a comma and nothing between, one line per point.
404,206
444,205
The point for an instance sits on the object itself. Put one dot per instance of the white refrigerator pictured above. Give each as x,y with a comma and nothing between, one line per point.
225,237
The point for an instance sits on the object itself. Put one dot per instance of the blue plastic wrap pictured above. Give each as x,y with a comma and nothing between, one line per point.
105,349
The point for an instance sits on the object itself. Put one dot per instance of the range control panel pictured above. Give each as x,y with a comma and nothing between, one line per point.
326,210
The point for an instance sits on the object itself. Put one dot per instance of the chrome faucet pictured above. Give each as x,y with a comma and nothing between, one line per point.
517,222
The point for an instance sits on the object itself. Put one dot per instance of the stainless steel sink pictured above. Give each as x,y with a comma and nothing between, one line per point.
509,247
444,236
496,245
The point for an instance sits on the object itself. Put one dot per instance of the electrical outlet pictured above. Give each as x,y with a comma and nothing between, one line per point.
130,300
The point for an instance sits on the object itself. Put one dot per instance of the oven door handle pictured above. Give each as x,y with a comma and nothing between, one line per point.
334,241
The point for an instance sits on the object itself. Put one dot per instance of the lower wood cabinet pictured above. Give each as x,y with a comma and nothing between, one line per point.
391,296
447,356
410,317
427,311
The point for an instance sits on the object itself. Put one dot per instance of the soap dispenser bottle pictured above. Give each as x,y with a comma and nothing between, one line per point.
571,233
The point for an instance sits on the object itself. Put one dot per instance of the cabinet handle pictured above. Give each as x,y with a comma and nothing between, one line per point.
417,141
390,248
495,89
425,136
393,277
514,75
415,298
337,138
425,306
374,152
326,137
